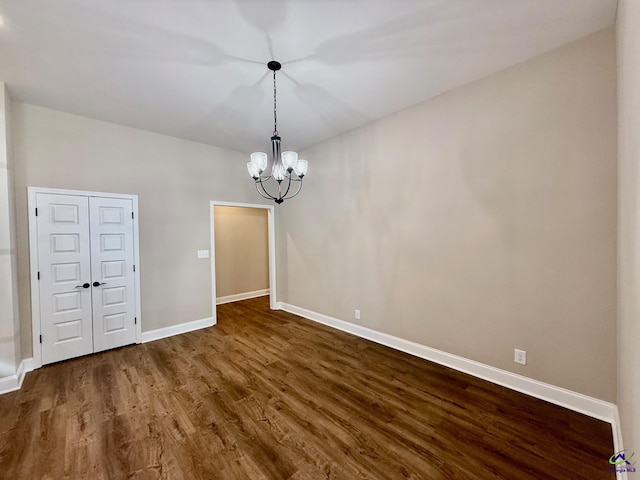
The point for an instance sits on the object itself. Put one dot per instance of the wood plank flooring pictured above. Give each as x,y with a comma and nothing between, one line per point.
268,395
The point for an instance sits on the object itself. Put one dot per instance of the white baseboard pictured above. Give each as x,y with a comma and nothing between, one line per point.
575,401
242,296
30,364
617,443
13,382
165,332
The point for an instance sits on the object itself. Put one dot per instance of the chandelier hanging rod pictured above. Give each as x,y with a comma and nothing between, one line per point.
274,67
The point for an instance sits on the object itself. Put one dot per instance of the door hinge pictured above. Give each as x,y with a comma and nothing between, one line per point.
40,338
38,275
135,320
131,214
134,268
36,212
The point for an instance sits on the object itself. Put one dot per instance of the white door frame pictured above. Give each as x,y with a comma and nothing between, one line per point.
271,230
33,260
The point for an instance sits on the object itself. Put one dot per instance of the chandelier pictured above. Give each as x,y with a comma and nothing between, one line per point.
286,167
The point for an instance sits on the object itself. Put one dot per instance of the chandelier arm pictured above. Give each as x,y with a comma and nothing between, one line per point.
297,191
260,193
265,194
288,187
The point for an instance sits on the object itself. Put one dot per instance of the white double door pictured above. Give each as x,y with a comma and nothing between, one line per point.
86,270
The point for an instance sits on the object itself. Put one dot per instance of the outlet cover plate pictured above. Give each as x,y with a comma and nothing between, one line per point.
520,357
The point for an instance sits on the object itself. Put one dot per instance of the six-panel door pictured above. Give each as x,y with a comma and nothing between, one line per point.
65,271
85,262
112,271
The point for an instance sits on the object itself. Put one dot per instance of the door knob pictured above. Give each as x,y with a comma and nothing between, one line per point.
97,284
84,285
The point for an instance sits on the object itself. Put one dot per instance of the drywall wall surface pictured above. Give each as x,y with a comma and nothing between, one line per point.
174,179
242,250
628,36
480,221
10,354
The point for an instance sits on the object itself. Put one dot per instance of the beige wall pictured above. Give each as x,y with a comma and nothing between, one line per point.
242,250
174,179
629,220
477,222
10,354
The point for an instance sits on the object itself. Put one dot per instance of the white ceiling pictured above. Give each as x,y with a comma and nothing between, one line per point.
196,69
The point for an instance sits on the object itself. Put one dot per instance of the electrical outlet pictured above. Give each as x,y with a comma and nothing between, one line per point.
357,314
203,253
520,357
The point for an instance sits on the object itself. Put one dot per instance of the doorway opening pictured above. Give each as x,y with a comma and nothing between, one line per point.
242,252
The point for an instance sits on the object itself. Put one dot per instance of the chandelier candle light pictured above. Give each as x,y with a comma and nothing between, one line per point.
283,165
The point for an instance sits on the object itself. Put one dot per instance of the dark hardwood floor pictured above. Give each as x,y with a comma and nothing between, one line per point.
268,395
